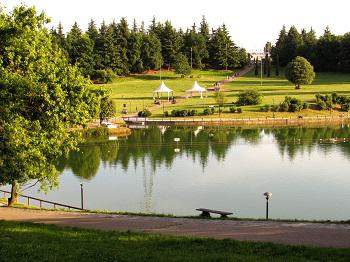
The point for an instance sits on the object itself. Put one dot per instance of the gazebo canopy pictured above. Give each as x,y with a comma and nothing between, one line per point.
197,88
162,89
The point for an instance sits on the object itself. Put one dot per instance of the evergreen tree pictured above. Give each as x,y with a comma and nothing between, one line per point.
293,43
280,47
344,53
328,47
171,44
80,50
151,52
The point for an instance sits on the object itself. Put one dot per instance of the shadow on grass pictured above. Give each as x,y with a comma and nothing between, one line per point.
37,242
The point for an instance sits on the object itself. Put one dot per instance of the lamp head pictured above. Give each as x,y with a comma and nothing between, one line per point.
268,195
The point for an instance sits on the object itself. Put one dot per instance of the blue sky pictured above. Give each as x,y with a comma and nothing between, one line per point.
251,23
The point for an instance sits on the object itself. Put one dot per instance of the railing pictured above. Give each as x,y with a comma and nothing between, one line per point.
41,201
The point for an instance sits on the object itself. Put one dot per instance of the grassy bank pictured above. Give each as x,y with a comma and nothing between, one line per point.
36,242
136,91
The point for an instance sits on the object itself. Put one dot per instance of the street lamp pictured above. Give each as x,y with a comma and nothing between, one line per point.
82,195
268,196
191,58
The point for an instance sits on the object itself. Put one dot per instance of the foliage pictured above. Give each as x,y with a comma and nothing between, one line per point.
107,108
249,97
233,109
183,113
300,72
239,110
41,96
327,102
144,113
291,104
103,76
181,65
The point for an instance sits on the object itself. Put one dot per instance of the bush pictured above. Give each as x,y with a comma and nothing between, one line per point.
291,104
239,110
345,107
324,102
166,114
193,112
206,112
184,113
274,108
103,76
321,105
265,108
305,105
233,109
250,97
144,113
284,106
212,110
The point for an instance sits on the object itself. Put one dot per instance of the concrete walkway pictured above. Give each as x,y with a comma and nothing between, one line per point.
325,235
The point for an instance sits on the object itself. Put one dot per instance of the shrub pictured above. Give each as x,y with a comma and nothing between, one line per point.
284,106
166,113
345,107
233,109
144,113
193,112
250,97
274,108
212,110
305,105
103,76
291,104
321,105
206,112
325,101
239,110
265,108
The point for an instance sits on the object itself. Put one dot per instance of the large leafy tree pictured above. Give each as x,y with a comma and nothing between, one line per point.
41,96
300,72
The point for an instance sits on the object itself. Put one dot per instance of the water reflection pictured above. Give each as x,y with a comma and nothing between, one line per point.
198,144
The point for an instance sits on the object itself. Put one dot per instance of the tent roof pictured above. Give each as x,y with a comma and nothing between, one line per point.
196,88
162,89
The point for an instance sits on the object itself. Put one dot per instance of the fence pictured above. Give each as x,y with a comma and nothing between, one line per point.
41,201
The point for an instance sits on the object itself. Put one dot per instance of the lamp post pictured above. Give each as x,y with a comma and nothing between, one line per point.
261,71
268,196
191,58
82,195
226,58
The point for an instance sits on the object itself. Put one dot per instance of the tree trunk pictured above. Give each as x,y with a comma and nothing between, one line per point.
14,194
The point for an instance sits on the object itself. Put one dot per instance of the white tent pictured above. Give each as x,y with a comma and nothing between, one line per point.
162,89
197,88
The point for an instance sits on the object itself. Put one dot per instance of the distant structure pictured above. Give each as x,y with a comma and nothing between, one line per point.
259,55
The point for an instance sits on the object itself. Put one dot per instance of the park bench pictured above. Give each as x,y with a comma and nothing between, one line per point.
206,212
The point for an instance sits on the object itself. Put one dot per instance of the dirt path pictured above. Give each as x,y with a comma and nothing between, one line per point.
325,235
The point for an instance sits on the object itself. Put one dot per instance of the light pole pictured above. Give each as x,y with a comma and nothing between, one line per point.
268,196
226,57
82,195
261,73
191,58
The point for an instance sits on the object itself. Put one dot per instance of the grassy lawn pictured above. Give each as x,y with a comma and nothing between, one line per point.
36,242
136,91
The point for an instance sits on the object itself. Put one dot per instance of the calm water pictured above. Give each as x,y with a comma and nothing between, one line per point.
306,169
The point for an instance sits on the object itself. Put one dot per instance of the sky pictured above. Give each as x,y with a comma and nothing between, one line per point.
250,23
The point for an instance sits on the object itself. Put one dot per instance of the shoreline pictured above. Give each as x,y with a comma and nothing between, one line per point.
261,122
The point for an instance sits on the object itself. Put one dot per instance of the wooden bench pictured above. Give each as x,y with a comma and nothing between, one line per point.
206,212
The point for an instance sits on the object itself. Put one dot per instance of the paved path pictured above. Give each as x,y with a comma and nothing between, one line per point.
326,235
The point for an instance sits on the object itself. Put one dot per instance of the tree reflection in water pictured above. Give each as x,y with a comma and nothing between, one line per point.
156,144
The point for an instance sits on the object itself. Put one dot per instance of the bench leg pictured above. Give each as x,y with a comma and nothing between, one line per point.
205,214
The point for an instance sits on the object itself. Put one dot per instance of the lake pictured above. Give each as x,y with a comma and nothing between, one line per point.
223,168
